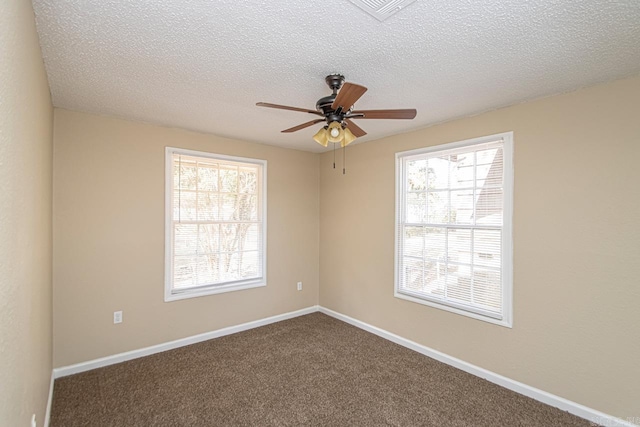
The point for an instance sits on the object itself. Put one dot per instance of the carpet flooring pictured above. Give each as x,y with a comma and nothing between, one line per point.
312,370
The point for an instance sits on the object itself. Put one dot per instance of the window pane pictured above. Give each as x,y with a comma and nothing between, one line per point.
229,266
249,237
207,178
412,278
249,264
208,269
229,237
248,181
228,207
228,179
487,247
414,241
489,168
208,238
489,207
184,272
462,170
247,207
435,278
459,284
416,175
462,206
241,236
484,160
435,244
187,176
416,207
184,206
438,172
438,207
459,245
185,239
487,289
207,206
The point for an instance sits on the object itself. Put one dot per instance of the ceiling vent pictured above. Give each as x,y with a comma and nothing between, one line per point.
382,9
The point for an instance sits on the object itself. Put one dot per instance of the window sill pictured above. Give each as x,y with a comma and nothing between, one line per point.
220,289
505,322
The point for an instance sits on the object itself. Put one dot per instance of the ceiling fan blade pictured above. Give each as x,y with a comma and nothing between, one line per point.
384,114
356,130
302,126
348,96
285,107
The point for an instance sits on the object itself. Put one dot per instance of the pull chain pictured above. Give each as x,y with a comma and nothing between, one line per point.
334,156
344,160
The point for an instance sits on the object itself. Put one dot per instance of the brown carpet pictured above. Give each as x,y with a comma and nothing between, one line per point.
312,370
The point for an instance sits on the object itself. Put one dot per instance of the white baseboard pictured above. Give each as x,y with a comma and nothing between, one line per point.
532,392
134,354
47,414
574,408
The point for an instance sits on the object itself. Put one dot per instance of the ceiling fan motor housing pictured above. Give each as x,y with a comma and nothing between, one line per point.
334,81
324,105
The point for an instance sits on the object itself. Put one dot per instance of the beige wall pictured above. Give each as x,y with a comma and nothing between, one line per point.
576,246
109,237
26,126
575,237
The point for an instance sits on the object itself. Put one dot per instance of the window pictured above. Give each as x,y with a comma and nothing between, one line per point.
215,223
454,205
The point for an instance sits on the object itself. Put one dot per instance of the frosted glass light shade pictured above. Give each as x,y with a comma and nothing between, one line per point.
348,138
321,137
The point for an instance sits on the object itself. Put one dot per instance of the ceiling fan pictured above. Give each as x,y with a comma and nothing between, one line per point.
337,111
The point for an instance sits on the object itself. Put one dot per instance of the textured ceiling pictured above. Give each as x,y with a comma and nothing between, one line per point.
202,65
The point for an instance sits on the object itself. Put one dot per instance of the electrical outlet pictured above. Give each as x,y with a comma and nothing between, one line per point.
33,421
299,286
117,317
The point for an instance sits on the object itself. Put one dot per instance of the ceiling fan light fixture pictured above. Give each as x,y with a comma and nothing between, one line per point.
348,138
335,132
321,137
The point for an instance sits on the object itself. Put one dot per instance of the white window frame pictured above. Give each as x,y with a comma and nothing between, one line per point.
506,319
169,293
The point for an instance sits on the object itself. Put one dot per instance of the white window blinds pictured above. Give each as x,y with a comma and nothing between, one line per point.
216,227
452,233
